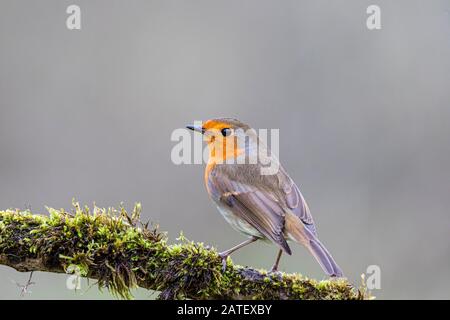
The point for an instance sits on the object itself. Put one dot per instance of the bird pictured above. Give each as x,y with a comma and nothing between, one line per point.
268,207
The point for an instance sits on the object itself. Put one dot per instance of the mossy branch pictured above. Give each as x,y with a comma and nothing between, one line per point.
113,247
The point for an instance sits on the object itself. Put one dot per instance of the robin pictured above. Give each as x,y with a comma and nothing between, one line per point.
262,206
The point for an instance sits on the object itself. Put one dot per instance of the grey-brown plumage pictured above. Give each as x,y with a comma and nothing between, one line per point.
261,200
268,207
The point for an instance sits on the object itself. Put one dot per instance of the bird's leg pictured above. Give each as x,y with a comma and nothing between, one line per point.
224,255
277,262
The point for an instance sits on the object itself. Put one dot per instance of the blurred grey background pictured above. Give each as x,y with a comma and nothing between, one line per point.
364,118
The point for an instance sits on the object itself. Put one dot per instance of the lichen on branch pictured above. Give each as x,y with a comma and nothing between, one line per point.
122,253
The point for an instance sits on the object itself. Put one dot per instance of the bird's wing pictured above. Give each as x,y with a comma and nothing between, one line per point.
256,207
294,200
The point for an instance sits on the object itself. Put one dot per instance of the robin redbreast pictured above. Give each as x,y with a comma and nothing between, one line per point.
262,206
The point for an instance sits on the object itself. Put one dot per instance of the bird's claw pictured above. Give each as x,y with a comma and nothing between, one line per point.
275,273
274,269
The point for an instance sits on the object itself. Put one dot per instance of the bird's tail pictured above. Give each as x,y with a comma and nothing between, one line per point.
324,258
302,234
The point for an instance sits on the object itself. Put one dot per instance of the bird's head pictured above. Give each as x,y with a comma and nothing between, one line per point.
226,137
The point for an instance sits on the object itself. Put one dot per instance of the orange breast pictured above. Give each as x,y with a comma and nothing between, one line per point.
209,167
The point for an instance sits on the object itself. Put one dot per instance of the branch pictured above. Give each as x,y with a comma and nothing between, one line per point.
121,253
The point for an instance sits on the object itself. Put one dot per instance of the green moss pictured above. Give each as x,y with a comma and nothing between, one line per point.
122,253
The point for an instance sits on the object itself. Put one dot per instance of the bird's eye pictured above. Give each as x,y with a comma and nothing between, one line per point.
226,132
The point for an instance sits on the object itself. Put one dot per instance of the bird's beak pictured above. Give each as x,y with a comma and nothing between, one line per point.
196,128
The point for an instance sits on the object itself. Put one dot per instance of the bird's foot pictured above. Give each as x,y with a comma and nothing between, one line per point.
274,269
275,273
224,257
